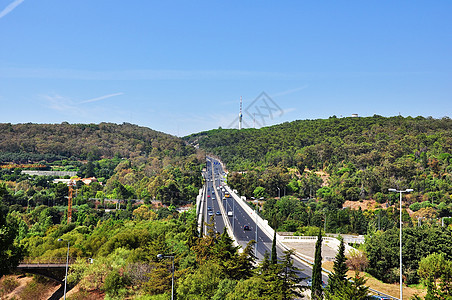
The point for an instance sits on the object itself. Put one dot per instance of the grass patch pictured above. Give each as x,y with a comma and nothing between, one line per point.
386,288
7,285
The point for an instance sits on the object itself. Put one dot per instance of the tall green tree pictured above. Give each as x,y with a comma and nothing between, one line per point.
316,288
339,275
274,257
354,289
436,273
290,279
10,252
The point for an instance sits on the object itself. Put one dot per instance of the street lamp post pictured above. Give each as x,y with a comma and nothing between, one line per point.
161,256
255,248
279,192
400,235
67,264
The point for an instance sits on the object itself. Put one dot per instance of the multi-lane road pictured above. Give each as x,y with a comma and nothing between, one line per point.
243,225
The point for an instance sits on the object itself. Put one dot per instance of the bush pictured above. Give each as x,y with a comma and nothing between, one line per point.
415,206
357,260
114,282
380,197
426,204
289,226
307,231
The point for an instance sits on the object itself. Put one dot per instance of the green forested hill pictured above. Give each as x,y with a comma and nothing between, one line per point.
133,162
23,142
363,156
318,143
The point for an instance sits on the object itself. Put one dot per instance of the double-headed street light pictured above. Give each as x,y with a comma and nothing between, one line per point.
162,256
67,264
400,235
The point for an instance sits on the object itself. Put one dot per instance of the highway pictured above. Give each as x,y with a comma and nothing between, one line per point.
215,189
214,179
211,202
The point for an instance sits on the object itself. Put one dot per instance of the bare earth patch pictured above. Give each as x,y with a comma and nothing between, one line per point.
365,204
17,293
22,284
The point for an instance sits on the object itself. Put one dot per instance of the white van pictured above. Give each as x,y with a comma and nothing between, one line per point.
230,213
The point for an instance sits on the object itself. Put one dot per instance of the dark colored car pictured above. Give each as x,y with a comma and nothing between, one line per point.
218,213
246,227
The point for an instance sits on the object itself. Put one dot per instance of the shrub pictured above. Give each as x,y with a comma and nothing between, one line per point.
114,282
357,260
307,231
415,206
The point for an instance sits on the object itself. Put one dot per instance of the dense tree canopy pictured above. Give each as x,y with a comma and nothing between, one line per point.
360,157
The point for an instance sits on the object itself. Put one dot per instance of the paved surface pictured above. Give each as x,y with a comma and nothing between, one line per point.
241,218
307,249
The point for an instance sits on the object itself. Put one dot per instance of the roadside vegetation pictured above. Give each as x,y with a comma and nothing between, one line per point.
308,173
303,172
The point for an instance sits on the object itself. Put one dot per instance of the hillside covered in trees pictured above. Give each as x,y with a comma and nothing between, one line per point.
24,142
361,157
132,162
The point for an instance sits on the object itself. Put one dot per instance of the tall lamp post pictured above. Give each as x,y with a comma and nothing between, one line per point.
162,256
67,264
257,205
400,235
279,192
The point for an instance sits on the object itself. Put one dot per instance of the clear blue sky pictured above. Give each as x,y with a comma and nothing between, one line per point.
181,66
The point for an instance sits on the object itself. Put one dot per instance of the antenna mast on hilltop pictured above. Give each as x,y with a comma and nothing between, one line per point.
240,114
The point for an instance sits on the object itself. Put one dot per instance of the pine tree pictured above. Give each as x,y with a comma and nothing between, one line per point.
316,288
274,257
340,269
354,289
289,277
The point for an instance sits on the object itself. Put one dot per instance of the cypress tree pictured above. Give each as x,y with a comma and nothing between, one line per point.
339,275
316,288
274,257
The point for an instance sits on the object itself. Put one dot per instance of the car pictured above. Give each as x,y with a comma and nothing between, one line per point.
375,297
230,213
246,227
213,192
213,198
309,282
209,208
210,213
218,213
208,196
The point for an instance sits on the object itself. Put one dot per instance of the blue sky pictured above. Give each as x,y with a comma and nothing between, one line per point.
181,66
